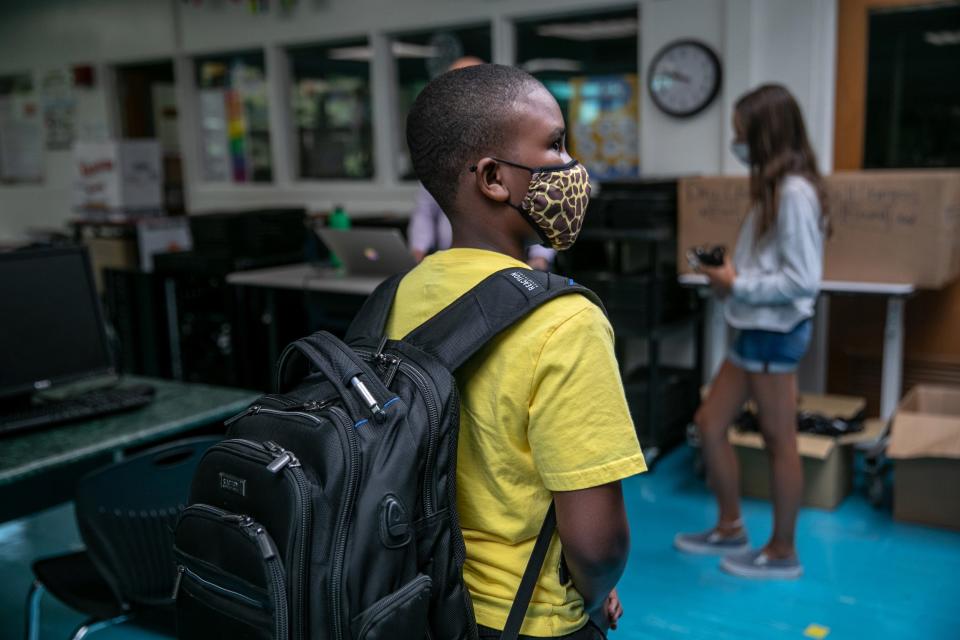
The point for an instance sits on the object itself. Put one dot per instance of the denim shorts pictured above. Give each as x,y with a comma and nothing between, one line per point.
759,351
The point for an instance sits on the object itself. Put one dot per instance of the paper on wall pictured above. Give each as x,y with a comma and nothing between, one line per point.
21,139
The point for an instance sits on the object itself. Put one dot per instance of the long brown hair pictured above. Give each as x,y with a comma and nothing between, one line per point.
773,127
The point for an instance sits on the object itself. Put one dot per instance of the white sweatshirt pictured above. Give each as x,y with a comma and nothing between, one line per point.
778,279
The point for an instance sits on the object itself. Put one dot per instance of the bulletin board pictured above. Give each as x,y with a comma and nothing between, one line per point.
604,118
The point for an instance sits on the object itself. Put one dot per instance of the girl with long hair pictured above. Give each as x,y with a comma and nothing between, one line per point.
769,287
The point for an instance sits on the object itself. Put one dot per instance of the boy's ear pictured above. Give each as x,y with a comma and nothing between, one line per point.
490,181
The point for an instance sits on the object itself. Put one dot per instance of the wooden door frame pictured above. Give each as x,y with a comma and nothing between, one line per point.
851,95
856,326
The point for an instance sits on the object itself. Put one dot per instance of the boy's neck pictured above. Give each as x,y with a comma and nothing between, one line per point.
488,239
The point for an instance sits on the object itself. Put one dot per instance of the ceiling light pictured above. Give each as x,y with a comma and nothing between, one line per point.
942,38
538,65
398,49
350,53
596,30
407,50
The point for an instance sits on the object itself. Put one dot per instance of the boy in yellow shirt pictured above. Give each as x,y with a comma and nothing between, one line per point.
543,413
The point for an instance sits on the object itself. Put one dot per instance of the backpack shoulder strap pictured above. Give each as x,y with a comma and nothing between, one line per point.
371,321
518,611
467,324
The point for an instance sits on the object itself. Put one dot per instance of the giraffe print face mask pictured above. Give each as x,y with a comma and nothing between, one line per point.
556,201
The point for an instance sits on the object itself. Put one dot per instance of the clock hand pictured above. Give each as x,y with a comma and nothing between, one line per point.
676,75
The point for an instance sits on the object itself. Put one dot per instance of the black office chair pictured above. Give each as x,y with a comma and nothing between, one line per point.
126,513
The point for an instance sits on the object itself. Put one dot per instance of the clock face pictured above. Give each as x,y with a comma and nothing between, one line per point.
684,78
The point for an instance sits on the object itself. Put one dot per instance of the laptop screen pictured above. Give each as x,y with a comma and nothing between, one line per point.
51,328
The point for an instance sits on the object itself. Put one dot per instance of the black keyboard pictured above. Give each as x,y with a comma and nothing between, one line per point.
85,405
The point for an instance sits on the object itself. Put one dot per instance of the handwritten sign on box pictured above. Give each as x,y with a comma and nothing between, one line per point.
888,226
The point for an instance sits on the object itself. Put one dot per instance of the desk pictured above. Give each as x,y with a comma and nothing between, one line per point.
300,277
892,375
306,277
60,454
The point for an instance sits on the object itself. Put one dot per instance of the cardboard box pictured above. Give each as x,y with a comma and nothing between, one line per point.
119,176
925,443
162,235
827,461
888,226
110,253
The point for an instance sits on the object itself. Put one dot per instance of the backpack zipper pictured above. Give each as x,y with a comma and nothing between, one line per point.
279,399
269,552
307,405
434,434
421,384
340,535
212,586
176,582
434,415
317,405
249,411
283,459
387,366
215,511
312,405
279,412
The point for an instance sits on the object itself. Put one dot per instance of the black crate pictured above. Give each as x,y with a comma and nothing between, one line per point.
628,300
675,401
637,204
137,311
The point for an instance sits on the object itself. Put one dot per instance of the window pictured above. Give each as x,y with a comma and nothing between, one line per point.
147,100
589,64
332,110
148,109
234,127
913,93
420,57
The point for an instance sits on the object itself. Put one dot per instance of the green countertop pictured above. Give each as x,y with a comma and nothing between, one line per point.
176,408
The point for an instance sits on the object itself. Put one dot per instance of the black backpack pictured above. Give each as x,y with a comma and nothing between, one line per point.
331,510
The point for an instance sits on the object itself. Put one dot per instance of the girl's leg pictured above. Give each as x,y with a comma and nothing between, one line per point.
776,398
727,394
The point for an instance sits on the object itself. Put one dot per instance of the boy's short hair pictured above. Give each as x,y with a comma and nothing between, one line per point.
458,118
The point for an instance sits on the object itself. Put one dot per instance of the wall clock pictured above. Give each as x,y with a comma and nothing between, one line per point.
684,78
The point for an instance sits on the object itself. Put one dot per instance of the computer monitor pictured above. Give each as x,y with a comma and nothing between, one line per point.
51,329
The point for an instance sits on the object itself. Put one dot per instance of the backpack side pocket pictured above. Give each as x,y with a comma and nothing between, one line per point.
403,611
230,577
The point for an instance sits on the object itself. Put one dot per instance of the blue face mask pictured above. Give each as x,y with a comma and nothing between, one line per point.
742,152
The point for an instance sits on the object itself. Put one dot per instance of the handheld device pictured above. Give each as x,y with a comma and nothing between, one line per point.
706,256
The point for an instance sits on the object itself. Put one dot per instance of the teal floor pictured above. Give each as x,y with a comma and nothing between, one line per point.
867,577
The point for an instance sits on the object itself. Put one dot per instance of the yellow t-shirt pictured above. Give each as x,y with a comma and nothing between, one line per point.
542,410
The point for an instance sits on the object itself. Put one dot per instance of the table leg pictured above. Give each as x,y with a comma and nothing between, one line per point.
715,340
173,328
813,368
654,391
892,381
273,349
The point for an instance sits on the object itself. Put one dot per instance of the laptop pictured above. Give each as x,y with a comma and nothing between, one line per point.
369,252
54,345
